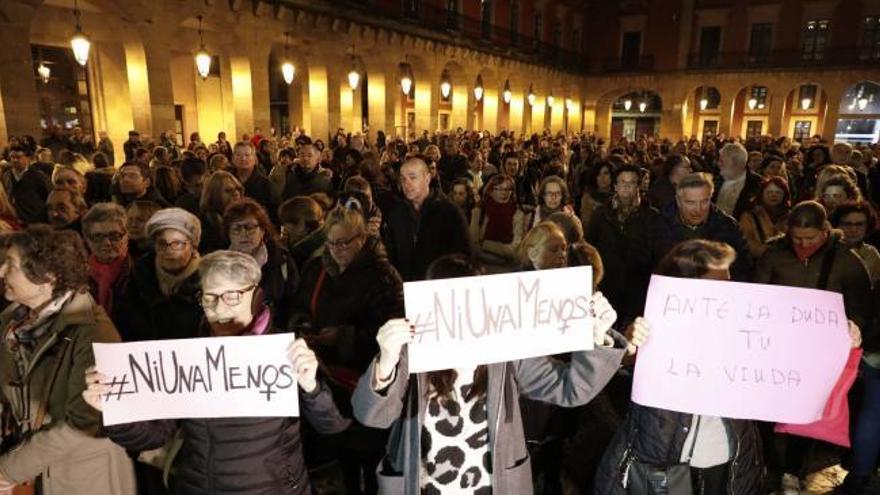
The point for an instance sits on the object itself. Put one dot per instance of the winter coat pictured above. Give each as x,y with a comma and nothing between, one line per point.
757,228
28,193
66,451
508,251
253,456
304,183
119,300
780,266
279,282
99,186
359,300
213,234
153,315
415,239
308,248
257,188
719,227
402,406
626,256
657,436
151,194
750,189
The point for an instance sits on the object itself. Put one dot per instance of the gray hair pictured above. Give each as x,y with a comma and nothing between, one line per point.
104,212
230,265
734,153
694,180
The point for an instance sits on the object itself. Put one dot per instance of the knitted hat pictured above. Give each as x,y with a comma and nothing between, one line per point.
178,219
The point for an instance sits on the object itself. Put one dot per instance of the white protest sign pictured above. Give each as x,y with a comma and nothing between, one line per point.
216,377
493,318
738,350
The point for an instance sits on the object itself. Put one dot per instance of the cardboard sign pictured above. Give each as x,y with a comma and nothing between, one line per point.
740,350
216,377
469,321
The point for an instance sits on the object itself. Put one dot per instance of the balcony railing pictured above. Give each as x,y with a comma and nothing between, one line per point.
830,57
641,64
486,37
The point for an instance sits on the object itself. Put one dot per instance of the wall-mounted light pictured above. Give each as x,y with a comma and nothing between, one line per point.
445,84
406,77
507,94
203,59
478,88
531,96
550,99
627,104
753,102
806,103
704,103
863,103
287,68
43,71
569,104
643,106
79,43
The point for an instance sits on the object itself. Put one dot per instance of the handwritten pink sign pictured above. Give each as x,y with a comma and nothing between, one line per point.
738,350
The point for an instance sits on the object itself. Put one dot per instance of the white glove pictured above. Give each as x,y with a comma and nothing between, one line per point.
604,317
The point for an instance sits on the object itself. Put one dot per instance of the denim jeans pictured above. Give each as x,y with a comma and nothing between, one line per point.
866,440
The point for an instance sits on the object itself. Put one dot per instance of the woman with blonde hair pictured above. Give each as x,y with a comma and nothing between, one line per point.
343,299
220,189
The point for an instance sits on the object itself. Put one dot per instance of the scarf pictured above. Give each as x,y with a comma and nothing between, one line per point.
499,221
105,275
261,255
168,282
28,326
804,253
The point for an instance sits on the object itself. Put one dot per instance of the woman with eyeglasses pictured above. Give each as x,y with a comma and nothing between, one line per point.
250,231
497,224
234,455
553,196
163,288
344,297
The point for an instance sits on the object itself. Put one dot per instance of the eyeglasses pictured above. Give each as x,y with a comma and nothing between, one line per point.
175,246
341,243
853,224
230,297
100,237
554,194
243,228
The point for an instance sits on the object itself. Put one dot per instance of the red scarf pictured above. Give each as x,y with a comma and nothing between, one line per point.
804,253
499,227
105,275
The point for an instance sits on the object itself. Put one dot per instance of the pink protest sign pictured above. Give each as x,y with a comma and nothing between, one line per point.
740,350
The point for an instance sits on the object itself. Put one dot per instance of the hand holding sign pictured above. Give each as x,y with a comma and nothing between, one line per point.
391,338
305,363
604,317
95,388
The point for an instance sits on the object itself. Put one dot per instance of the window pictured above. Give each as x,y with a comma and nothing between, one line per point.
759,95
753,128
802,129
411,8
486,20
631,49
539,28
871,38
710,45
64,97
452,14
514,22
710,128
807,95
815,38
760,42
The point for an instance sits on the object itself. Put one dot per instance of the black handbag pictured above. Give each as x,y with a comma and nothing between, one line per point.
642,478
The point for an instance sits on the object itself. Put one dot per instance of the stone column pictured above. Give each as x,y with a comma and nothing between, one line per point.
17,87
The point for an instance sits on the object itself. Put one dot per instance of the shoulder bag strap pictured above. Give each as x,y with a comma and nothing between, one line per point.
320,283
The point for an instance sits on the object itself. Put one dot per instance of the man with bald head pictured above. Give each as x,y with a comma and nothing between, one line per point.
424,225
737,185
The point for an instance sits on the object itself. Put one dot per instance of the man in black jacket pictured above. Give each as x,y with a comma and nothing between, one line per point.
424,226
735,185
26,186
255,182
620,231
693,216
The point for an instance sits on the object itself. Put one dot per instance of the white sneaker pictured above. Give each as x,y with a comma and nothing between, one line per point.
790,485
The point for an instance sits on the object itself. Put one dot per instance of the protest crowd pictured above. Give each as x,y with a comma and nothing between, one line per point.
267,234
